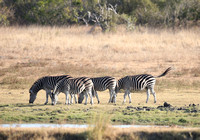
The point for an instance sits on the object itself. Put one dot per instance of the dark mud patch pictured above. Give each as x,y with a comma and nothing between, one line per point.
191,108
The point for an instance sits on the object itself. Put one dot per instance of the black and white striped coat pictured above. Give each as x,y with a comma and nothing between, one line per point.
46,83
139,82
101,84
73,86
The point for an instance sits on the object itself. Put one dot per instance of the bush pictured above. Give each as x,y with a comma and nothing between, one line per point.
189,11
45,12
169,13
5,14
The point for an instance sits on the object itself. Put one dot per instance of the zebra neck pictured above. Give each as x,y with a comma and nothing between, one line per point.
37,86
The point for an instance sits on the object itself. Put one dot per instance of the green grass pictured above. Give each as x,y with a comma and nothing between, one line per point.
25,113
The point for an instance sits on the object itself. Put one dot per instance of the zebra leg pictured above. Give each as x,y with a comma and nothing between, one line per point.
91,99
129,96
96,94
113,98
112,94
147,95
75,98
48,92
56,99
67,98
125,94
154,94
86,97
72,96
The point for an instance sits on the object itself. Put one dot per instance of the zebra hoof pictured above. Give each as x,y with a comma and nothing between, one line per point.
45,103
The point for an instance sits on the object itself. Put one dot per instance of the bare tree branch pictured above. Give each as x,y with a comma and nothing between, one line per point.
101,17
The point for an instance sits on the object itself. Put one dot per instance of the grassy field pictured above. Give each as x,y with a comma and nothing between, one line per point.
28,53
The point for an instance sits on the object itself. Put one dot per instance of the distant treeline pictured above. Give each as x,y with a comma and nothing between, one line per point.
105,13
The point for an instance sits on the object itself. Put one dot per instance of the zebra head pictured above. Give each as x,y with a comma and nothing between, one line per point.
32,96
56,91
53,98
38,85
81,97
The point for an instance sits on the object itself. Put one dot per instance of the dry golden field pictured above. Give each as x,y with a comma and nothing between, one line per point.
27,53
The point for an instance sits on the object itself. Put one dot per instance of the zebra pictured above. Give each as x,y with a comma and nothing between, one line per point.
46,83
101,84
139,82
73,86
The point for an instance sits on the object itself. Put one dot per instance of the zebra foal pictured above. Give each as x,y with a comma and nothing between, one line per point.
101,84
73,86
139,82
46,83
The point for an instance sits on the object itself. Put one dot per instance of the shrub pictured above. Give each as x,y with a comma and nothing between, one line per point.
154,13
5,14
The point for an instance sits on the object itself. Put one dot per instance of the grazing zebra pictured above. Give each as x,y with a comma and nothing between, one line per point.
73,86
139,82
101,84
46,83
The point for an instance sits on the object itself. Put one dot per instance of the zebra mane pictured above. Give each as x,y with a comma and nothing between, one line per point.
58,86
37,85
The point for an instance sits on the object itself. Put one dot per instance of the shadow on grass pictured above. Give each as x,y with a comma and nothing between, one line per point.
21,105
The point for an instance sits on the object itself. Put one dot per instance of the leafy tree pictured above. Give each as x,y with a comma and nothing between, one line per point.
104,13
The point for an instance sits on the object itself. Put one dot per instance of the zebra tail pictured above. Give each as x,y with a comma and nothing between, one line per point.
117,88
164,73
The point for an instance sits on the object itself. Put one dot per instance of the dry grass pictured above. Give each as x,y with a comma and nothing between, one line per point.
110,133
38,51
174,97
27,53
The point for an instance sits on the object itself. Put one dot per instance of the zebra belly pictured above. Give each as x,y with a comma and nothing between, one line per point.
100,89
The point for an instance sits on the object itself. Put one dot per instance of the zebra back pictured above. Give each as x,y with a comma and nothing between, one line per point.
103,83
136,82
46,83
73,85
